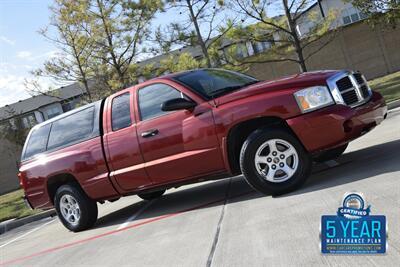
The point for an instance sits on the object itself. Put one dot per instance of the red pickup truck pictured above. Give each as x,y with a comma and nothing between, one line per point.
193,126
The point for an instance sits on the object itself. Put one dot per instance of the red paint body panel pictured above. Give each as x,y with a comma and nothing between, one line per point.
186,145
324,128
84,161
127,170
192,144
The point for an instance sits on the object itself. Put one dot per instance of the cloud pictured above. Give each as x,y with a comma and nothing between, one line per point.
27,55
5,40
12,89
24,54
14,74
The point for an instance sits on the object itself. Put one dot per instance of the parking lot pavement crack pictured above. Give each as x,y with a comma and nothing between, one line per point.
217,232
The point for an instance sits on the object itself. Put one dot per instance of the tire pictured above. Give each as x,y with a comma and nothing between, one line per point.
76,210
330,154
152,195
287,175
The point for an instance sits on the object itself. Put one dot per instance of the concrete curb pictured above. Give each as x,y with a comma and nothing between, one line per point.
393,104
11,224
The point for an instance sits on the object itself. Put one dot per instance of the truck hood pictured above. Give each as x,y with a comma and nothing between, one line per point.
293,82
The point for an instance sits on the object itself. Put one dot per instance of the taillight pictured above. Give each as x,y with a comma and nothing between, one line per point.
22,181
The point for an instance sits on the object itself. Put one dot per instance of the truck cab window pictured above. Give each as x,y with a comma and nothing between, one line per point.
151,97
121,112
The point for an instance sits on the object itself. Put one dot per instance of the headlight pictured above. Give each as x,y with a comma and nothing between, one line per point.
312,98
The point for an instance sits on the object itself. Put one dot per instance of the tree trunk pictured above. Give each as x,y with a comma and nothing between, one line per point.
110,47
295,36
200,40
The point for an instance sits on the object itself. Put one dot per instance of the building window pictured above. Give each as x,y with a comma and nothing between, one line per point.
351,15
260,47
67,106
346,20
28,121
241,51
52,112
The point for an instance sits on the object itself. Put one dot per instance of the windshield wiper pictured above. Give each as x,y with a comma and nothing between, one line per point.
229,89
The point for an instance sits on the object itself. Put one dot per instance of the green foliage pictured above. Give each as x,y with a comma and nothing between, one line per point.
13,129
199,25
100,41
388,86
175,63
281,32
12,206
379,11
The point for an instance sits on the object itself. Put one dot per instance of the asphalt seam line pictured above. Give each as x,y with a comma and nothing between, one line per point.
82,241
217,233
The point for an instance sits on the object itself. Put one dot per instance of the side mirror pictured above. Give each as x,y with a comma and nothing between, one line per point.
177,104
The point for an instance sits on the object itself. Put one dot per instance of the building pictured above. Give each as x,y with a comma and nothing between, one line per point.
348,14
25,114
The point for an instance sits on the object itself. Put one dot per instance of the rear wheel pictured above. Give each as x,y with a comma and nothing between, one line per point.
74,208
274,162
330,154
152,195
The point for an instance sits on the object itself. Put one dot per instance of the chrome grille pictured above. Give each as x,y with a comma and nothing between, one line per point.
349,88
358,78
344,84
350,97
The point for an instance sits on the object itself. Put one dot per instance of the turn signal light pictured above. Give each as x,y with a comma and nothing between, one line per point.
21,180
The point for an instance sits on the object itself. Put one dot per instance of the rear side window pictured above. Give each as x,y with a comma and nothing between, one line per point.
121,112
37,141
76,127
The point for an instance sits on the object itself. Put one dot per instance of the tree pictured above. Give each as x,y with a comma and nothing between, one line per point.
100,42
13,130
280,30
119,28
386,11
72,64
176,63
201,27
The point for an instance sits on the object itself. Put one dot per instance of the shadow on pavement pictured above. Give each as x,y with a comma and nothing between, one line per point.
353,166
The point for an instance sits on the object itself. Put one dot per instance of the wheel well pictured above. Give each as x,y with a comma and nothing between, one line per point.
54,182
239,133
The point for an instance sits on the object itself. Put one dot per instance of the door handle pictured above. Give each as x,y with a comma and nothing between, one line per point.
149,133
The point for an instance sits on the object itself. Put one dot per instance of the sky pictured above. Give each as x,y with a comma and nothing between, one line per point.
21,48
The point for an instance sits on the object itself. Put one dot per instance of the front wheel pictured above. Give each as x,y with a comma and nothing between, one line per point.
274,162
75,209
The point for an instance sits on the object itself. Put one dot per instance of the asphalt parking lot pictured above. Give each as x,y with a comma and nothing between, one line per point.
226,223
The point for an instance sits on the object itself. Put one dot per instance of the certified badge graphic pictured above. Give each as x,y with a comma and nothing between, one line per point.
353,206
353,230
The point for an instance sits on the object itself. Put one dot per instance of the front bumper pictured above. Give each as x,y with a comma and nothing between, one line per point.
336,125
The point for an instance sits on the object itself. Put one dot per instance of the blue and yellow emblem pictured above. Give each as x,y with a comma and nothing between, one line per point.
353,230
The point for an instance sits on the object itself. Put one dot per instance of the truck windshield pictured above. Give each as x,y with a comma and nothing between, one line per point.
211,83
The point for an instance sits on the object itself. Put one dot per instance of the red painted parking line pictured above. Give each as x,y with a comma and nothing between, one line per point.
50,250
